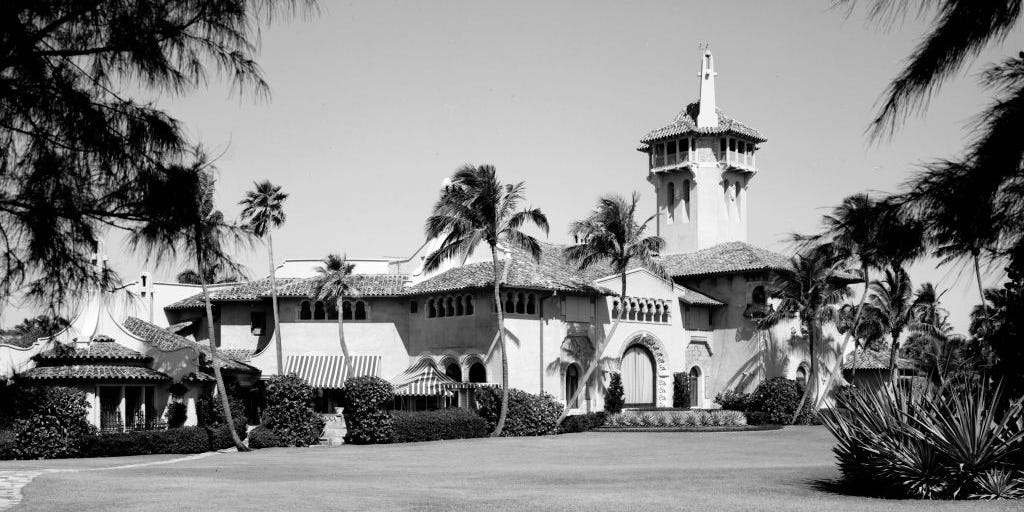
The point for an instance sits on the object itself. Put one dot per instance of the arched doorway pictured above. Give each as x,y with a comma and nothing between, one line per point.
696,391
572,383
638,376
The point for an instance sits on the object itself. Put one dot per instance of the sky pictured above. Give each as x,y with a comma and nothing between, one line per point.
374,103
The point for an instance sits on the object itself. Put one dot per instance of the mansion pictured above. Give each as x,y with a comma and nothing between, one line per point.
433,333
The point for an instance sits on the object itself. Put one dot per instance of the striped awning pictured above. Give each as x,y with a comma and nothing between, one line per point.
330,372
423,379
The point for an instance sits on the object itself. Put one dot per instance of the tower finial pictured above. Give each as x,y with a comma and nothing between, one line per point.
707,116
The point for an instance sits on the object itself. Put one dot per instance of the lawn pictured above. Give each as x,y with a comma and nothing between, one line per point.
769,470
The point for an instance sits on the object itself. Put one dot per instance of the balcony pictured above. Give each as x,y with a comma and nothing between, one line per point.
671,160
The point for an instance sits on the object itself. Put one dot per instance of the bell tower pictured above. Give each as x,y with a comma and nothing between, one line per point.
701,166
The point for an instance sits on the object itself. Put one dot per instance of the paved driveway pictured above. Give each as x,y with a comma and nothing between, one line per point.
771,470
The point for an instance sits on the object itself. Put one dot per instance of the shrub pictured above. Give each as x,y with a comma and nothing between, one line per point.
210,412
680,389
528,414
733,400
290,413
583,422
8,444
177,440
48,421
949,442
410,427
263,437
778,397
757,418
368,410
613,397
176,414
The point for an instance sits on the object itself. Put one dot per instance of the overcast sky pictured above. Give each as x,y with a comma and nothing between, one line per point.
375,102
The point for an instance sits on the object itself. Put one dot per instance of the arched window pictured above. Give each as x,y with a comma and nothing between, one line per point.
469,304
360,310
615,309
332,311
449,307
305,313
319,313
657,312
520,304
459,308
758,296
510,303
346,310
670,200
531,304
572,383
477,373
686,198
431,311
453,371
631,314
649,312
736,195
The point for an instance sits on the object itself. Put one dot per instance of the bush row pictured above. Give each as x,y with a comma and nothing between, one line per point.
528,414
582,422
175,440
773,402
695,418
436,425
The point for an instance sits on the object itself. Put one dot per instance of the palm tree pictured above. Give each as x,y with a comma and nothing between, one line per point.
809,290
927,306
867,233
190,225
263,209
893,298
333,282
612,234
214,274
867,333
475,208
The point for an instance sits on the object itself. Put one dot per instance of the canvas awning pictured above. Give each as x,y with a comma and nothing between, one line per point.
423,379
330,372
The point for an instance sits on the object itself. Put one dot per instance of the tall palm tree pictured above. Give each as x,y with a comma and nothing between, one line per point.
263,211
333,282
612,234
810,290
190,225
476,208
927,306
893,298
867,332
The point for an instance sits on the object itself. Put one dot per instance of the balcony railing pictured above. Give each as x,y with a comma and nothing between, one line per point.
668,160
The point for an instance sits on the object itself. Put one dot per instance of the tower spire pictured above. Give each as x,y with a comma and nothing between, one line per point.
707,117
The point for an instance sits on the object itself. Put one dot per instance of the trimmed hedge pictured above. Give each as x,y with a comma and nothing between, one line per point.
290,414
263,437
582,422
528,414
210,413
410,427
175,440
733,400
8,444
177,413
367,413
681,390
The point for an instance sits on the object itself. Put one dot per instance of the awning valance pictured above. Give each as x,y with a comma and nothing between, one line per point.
423,379
330,372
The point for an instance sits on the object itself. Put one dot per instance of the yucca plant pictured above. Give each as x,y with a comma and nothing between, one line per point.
937,444
679,418
999,484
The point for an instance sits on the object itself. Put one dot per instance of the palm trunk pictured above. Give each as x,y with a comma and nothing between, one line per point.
273,302
981,289
811,378
837,368
853,372
503,413
597,354
341,337
221,390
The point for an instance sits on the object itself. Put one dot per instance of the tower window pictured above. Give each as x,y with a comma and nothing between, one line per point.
671,147
721,148
413,306
732,145
670,200
686,198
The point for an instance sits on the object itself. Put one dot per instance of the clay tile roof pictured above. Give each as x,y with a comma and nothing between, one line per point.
101,348
873,360
724,258
158,337
369,285
238,354
92,372
695,298
685,123
552,272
